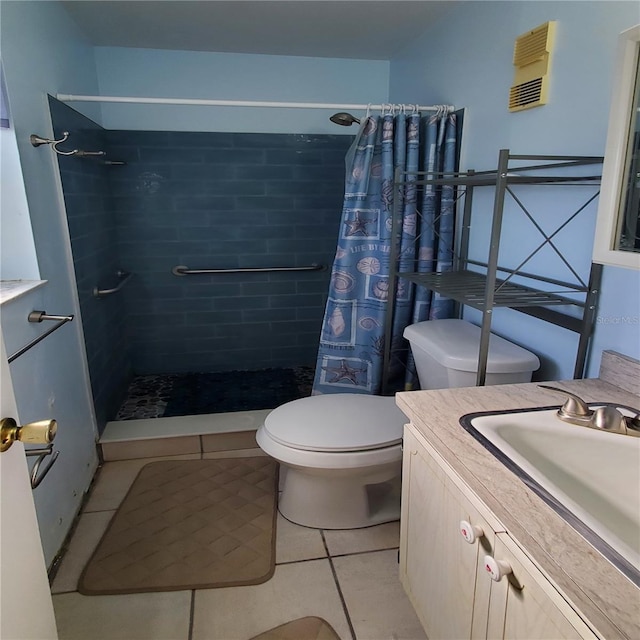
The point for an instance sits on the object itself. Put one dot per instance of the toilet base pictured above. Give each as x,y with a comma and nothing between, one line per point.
341,499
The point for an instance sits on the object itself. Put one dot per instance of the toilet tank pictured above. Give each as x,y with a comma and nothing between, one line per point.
446,355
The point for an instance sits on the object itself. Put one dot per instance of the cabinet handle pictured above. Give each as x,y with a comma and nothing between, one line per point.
497,569
470,532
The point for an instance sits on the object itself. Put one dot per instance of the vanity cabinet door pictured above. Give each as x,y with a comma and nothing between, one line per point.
445,576
438,567
524,605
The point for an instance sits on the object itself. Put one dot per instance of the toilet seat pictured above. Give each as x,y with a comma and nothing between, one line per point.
335,423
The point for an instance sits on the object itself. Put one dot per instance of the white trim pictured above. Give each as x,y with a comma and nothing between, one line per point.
613,169
66,97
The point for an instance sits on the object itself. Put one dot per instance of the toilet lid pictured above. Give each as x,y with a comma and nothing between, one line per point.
337,422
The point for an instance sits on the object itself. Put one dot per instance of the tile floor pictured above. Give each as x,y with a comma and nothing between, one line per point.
349,578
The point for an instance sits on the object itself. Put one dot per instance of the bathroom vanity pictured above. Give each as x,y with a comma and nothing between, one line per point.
466,518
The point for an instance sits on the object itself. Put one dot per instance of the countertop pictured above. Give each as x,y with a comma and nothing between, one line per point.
604,596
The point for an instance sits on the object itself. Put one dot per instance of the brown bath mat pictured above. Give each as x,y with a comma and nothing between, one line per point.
189,524
310,628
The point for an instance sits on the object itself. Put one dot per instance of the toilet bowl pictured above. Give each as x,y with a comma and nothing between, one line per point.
340,459
340,454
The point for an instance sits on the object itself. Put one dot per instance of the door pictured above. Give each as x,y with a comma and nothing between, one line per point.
526,606
26,609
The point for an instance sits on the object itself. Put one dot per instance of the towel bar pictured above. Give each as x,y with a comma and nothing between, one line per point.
39,316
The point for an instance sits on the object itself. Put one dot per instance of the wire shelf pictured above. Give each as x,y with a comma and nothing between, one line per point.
484,290
470,288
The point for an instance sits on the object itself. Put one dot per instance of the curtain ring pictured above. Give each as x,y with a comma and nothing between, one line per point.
368,114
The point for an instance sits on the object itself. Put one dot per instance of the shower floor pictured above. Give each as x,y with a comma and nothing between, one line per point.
168,395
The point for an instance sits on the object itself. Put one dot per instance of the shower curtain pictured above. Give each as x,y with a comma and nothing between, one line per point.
350,355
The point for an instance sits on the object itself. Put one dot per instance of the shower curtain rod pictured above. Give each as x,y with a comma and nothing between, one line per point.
66,97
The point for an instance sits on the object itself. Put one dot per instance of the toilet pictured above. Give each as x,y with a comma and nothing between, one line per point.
340,454
340,459
446,355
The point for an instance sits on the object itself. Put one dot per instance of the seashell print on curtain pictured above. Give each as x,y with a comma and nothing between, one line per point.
350,355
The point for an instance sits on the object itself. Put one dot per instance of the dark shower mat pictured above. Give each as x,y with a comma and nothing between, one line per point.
201,393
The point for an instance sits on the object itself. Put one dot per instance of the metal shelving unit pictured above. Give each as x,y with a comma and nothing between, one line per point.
487,285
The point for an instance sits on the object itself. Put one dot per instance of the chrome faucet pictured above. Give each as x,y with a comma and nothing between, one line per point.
607,418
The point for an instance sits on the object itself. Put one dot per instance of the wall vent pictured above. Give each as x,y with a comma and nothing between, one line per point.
532,61
525,95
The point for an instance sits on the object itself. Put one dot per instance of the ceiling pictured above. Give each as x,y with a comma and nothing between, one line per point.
370,30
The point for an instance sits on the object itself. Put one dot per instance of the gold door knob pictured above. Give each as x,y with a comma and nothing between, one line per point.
40,432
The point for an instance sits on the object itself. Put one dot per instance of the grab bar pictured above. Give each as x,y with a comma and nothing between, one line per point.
181,270
39,316
124,278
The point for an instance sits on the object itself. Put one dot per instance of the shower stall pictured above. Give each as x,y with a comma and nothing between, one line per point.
201,258
157,210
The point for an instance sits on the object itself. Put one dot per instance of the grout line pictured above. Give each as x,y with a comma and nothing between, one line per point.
340,594
338,555
360,553
191,614
286,562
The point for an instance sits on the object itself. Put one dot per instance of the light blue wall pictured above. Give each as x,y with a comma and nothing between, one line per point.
42,52
466,59
226,76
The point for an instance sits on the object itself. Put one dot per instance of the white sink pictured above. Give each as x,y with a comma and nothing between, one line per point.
591,477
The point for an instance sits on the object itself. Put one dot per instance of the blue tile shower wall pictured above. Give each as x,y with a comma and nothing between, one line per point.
93,233
217,200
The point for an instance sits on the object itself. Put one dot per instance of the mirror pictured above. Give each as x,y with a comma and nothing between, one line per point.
617,237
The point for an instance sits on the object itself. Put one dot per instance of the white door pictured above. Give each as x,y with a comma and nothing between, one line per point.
26,609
